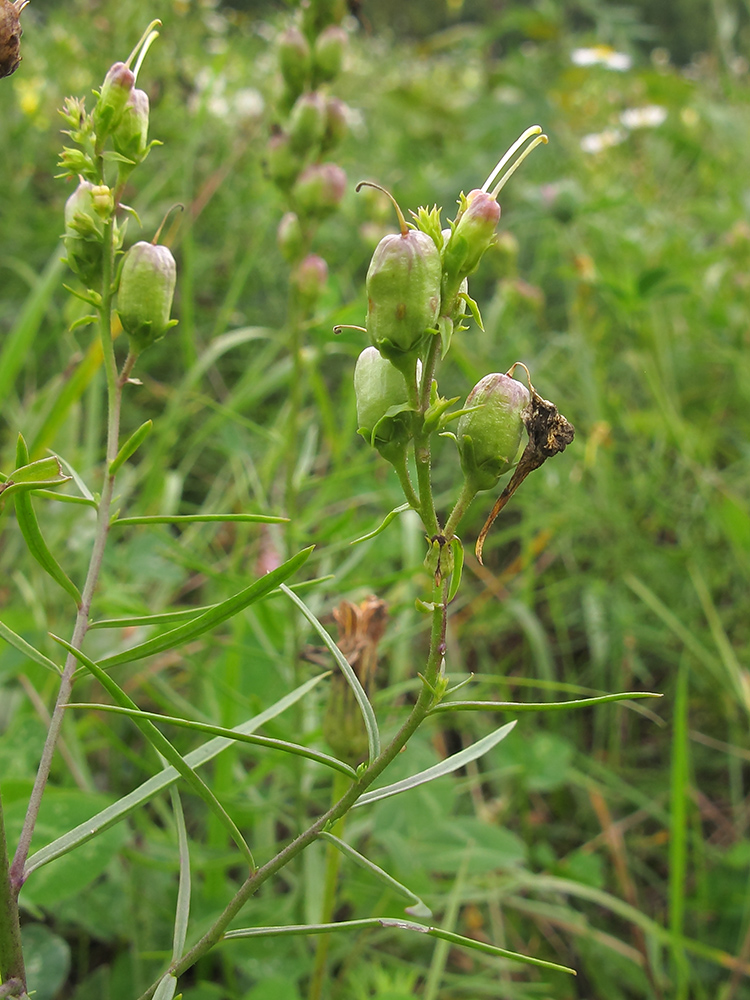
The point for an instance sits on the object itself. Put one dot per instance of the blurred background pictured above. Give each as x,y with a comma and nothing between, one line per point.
612,839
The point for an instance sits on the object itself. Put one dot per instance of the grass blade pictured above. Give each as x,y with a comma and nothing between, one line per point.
210,619
418,907
182,910
130,446
383,524
203,727
446,766
402,925
159,782
680,793
195,518
538,706
27,649
162,745
368,714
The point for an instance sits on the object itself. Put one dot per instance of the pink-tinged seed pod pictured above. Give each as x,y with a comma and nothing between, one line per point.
283,164
337,123
309,278
290,238
472,235
307,123
319,189
318,14
489,437
116,89
294,60
130,138
144,298
328,53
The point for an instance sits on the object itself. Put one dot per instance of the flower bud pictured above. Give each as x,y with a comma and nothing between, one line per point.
382,412
144,298
472,235
307,123
290,238
294,60
318,14
489,437
310,278
84,232
130,138
319,189
403,295
283,164
114,95
337,123
328,54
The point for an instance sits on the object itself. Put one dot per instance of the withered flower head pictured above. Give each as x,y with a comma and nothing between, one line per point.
10,35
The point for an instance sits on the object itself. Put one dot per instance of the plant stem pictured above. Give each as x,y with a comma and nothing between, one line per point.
341,808
468,492
16,875
11,953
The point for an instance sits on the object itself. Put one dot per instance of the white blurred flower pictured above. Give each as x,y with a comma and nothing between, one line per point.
597,142
602,55
650,116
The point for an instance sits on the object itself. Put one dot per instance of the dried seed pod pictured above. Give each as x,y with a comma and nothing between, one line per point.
10,35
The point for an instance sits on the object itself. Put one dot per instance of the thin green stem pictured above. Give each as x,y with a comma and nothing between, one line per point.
468,492
11,952
333,863
402,471
251,885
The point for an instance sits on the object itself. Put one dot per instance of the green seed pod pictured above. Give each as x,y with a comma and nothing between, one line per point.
290,238
318,14
114,95
319,189
283,164
294,60
328,54
489,437
84,232
472,235
383,414
144,298
403,295
337,123
130,138
310,278
307,123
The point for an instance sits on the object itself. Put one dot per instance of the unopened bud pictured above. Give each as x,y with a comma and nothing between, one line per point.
471,237
144,298
310,278
319,189
283,164
290,238
337,123
307,122
328,53
118,83
294,60
489,437
403,295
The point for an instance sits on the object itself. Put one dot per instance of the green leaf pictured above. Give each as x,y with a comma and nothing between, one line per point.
182,912
47,958
195,518
214,616
371,724
473,308
130,446
162,746
446,766
27,649
166,988
32,534
538,706
403,925
458,566
418,907
383,524
203,727
119,810
445,327
44,472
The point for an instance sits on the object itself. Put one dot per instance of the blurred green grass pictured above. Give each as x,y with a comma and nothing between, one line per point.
614,840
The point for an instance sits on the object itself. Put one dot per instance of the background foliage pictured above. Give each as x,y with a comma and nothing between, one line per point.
614,840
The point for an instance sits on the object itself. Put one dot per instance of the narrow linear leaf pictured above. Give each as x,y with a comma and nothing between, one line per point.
182,910
403,925
446,766
203,727
165,779
162,745
166,988
65,498
32,534
458,567
383,524
418,907
27,649
195,518
368,714
130,446
538,706
210,619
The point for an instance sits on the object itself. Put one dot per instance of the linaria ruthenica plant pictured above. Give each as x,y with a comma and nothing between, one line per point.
418,300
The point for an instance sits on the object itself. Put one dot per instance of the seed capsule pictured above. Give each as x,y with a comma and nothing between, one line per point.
319,189
84,231
294,60
113,97
328,53
489,437
307,122
10,35
130,138
144,298
380,391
